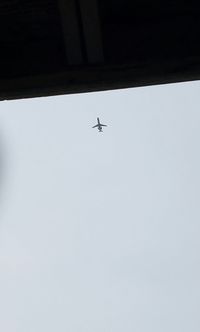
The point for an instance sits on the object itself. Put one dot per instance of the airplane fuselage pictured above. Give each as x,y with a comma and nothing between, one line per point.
99,126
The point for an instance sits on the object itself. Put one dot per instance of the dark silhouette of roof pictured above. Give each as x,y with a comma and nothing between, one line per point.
65,46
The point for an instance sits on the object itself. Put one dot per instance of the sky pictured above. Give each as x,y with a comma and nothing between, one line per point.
100,231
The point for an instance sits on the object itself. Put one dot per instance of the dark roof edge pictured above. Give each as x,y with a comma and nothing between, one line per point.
82,80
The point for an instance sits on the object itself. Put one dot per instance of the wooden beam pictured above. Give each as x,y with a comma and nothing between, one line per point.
71,31
92,30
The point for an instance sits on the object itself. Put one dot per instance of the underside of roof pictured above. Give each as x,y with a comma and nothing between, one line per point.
51,47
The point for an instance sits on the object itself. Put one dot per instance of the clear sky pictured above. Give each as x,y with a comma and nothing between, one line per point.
99,232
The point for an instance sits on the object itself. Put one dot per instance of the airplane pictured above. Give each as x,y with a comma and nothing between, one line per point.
99,126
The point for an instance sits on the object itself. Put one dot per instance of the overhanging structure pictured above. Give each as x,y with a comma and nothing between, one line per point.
53,47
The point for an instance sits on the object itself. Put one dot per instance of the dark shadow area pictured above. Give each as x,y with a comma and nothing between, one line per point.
65,46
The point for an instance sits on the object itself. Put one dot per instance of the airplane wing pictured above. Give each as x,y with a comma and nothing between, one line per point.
103,125
95,126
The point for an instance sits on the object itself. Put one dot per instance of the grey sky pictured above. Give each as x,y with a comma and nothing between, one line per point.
100,231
